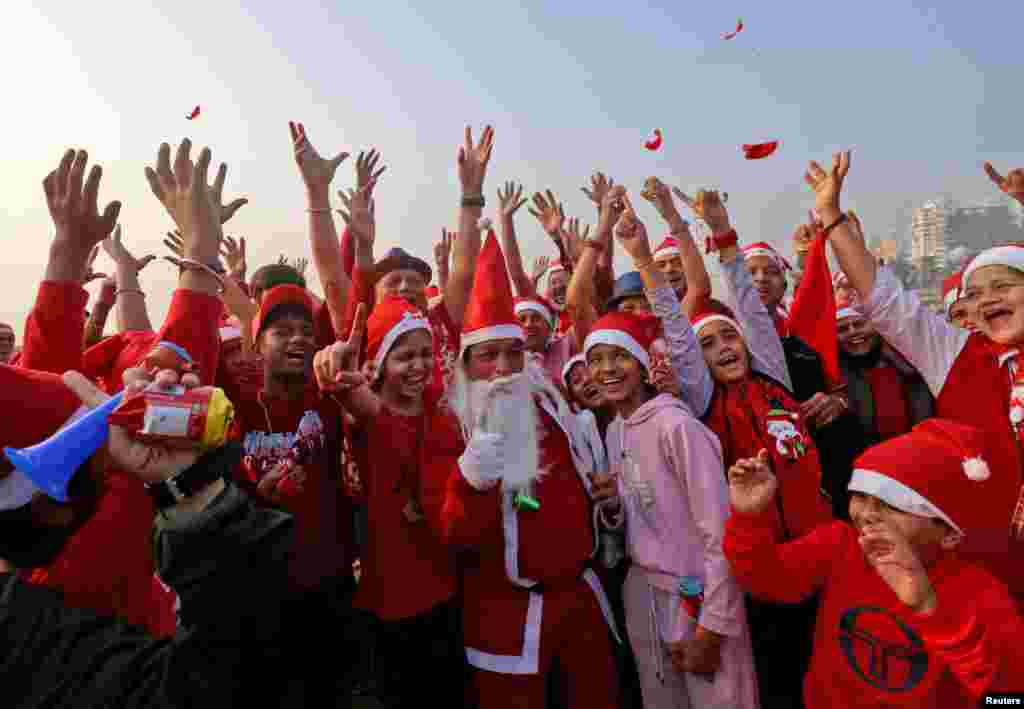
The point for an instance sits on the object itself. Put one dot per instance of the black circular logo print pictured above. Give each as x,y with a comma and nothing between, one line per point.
881,649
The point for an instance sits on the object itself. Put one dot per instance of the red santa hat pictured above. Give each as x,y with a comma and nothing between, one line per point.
286,294
669,248
816,297
951,291
567,368
540,305
106,361
711,311
390,319
937,470
763,248
633,332
44,404
1011,256
490,314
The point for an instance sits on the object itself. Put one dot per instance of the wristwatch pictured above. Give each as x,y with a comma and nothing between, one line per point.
213,465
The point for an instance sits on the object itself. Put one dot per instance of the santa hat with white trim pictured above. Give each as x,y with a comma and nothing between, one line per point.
633,332
490,314
389,320
540,305
763,248
714,311
951,291
1011,256
669,248
940,469
567,367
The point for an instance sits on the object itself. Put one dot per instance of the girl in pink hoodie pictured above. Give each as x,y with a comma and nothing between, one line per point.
667,488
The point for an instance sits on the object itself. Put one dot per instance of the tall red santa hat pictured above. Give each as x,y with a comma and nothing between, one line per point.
44,404
1011,256
669,248
763,248
633,332
813,304
389,320
942,469
540,305
711,311
951,291
490,314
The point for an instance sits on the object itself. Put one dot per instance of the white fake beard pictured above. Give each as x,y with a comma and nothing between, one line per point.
512,413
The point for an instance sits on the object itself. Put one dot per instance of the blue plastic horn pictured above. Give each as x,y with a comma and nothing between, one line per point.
50,465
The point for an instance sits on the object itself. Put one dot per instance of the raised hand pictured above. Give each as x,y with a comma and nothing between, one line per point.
1012,184
233,253
175,244
632,234
337,366
473,160
300,264
79,226
828,186
657,193
573,239
752,484
91,275
709,207
359,214
317,172
443,248
612,206
894,559
511,199
194,205
366,169
599,187
549,213
540,267
120,255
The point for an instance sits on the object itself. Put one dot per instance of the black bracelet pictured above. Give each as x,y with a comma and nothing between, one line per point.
841,220
213,465
477,201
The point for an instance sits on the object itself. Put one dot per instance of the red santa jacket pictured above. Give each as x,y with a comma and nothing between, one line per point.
758,413
514,550
871,650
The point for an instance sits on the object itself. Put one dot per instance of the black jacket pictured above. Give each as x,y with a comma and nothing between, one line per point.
228,565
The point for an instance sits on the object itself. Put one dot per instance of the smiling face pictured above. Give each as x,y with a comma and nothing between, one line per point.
558,283
634,304
407,284
287,346
768,279
856,336
996,296
672,268
408,366
537,329
495,359
583,388
927,536
725,352
620,377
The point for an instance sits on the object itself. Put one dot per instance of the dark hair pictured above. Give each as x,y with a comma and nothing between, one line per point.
282,311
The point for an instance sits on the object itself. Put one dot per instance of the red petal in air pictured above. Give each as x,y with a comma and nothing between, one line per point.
655,142
730,35
761,150
194,114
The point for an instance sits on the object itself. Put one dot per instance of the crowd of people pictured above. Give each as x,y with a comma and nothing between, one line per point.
475,486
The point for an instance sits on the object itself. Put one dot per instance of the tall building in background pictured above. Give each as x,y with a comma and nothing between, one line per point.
941,227
929,228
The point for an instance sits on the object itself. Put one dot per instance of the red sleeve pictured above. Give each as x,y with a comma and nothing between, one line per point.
980,642
55,328
362,292
784,573
458,513
193,322
322,328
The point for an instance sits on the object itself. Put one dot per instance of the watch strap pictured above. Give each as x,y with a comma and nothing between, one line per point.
211,466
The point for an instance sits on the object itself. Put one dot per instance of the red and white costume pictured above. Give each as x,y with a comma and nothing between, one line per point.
529,597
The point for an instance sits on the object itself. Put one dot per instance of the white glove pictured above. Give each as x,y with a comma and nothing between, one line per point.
483,461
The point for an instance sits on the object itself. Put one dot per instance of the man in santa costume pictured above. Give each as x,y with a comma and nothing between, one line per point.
505,476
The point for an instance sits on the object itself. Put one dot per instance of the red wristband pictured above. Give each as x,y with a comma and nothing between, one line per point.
721,241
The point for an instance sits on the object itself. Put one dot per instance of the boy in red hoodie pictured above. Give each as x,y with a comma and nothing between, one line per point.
894,627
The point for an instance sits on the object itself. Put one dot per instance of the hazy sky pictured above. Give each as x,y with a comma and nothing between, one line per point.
922,94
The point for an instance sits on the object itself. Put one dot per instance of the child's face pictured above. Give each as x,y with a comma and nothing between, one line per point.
995,295
724,351
769,280
927,536
856,336
620,376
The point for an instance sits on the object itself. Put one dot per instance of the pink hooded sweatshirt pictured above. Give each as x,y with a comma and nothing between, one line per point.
675,502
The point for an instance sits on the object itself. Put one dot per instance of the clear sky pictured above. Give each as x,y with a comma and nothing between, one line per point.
922,95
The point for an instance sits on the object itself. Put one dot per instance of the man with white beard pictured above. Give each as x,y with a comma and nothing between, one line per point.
505,475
